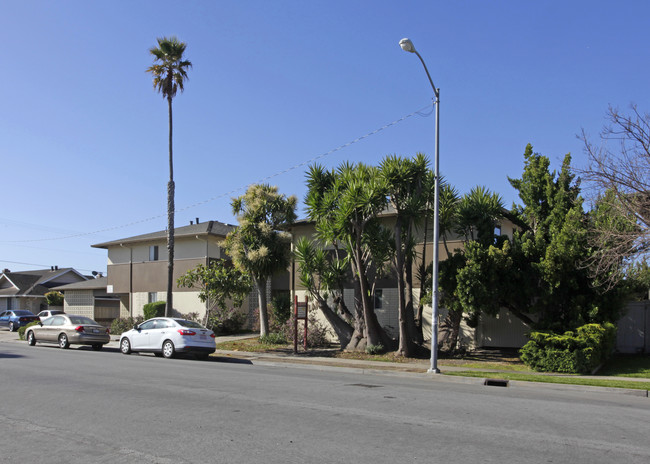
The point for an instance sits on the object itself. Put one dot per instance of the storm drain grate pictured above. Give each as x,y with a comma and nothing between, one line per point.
495,383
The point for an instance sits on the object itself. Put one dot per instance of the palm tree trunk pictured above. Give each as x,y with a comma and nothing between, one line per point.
261,299
415,332
405,340
423,273
170,221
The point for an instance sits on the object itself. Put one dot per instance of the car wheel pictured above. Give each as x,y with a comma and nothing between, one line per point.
64,343
12,327
97,347
168,350
125,346
31,340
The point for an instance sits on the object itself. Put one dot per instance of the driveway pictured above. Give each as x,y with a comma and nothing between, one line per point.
6,335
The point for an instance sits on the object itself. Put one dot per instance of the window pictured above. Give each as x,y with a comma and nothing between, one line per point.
379,294
153,297
153,253
146,325
161,324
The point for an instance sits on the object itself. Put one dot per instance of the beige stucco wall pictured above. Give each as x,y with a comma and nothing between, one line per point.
119,255
184,248
503,331
184,302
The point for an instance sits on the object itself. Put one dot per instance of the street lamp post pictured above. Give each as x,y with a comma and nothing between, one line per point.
407,46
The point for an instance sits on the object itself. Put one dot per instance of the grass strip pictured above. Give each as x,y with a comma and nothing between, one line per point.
593,382
627,366
487,365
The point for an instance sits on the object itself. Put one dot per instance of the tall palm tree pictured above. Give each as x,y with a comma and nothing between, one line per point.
169,72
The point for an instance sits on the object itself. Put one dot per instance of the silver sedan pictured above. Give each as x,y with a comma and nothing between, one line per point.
68,329
166,336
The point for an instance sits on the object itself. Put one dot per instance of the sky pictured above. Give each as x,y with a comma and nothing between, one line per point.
277,86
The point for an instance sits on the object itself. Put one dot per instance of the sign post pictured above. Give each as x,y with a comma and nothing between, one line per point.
300,313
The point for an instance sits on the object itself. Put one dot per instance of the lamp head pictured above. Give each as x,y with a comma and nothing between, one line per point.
407,45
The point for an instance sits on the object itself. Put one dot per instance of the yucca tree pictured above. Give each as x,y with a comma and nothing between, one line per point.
405,188
260,246
344,204
169,73
478,213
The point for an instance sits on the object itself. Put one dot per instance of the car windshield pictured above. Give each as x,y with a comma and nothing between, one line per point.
189,324
82,320
23,313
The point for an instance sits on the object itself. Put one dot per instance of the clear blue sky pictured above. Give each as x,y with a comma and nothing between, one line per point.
83,134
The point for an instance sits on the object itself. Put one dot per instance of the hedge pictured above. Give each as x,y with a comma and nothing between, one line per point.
578,352
155,309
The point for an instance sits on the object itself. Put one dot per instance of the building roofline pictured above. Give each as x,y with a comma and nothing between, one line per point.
208,228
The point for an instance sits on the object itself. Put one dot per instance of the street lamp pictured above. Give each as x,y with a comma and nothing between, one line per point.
407,46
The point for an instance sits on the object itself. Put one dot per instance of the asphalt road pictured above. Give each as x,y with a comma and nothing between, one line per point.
80,406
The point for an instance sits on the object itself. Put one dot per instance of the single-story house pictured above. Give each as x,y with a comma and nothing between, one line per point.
27,289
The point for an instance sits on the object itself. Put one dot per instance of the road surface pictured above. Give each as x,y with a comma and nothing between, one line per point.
80,406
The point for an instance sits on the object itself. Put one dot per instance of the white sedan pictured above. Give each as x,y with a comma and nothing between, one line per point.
167,336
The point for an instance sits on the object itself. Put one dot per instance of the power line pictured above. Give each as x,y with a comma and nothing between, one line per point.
44,266
419,112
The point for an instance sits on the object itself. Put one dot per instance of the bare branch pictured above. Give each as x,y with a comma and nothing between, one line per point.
619,178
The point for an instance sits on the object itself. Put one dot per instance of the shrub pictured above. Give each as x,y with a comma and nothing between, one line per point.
21,330
123,324
281,308
317,333
375,349
226,320
572,352
155,309
54,298
274,324
273,339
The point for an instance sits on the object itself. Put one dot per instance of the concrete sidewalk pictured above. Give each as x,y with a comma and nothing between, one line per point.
419,369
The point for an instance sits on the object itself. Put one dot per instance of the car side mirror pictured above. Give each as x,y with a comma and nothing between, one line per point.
136,327
40,323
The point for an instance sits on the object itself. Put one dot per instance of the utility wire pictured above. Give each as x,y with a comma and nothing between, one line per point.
419,112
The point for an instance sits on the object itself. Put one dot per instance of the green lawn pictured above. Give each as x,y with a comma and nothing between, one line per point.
627,366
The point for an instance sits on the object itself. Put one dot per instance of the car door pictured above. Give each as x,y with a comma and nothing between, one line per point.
140,337
158,334
51,328
4,319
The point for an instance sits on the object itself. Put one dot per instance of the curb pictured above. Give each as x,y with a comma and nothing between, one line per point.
411,370
394,370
